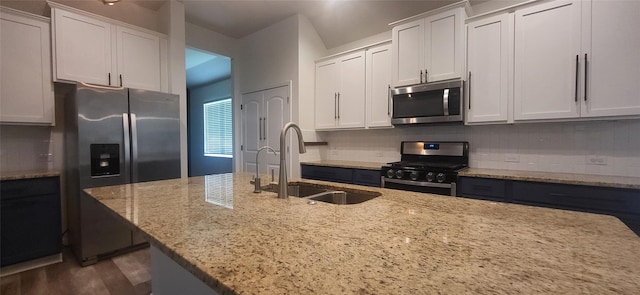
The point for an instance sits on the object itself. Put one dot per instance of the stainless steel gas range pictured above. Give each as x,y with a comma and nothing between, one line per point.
427,166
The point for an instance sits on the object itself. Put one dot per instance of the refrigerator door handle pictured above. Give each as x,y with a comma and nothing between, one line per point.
127,145
134,149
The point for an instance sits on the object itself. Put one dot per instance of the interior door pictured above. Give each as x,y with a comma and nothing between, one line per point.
276,113
252,128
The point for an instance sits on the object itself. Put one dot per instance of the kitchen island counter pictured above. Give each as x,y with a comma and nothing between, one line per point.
236,241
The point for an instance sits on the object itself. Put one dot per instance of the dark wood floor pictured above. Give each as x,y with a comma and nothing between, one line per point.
122,275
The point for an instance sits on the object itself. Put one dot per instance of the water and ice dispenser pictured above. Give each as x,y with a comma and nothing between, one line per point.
105,159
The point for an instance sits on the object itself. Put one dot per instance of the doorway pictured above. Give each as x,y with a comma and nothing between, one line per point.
209,114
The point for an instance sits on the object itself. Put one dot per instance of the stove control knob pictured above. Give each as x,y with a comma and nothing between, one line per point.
390,173
440,177
399,173
431,176
414,175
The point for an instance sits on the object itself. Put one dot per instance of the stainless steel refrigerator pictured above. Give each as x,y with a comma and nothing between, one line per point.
113,136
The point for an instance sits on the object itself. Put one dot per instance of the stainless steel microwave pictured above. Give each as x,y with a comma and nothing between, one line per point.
438,102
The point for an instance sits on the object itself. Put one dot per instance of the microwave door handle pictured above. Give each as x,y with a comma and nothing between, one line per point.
445,102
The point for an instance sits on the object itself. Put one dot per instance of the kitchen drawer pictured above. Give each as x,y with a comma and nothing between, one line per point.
366,177
482,188
583,198
336,174
29,187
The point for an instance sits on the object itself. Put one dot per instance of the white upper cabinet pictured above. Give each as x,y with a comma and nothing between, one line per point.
327,94
378,83
429,49
610,58
138,59
408,56
488,69
90,49
444,45
83,48
547,49
26,89
340,92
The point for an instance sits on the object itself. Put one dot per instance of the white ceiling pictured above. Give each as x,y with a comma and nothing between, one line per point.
337,21
205,67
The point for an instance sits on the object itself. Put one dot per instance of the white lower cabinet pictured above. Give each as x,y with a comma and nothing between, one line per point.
89,48
488,70
26,88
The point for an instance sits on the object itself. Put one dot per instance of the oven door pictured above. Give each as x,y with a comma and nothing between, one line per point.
446,189
429,103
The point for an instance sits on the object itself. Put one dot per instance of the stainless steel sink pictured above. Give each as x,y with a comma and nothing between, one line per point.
327,194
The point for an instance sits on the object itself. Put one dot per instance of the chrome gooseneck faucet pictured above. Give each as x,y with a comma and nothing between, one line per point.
282,181
257,186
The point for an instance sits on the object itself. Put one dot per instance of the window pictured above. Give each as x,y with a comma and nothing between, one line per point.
218,139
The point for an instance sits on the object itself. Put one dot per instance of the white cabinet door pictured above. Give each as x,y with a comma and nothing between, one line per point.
408,53
443,45
611,42
547,45
327,77
26,90
488,53
139,60
378,81
83,49
351,95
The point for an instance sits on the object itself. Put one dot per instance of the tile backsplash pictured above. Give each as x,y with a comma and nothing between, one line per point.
594,147
25,148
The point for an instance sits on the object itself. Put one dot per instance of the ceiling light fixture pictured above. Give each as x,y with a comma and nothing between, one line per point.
110,2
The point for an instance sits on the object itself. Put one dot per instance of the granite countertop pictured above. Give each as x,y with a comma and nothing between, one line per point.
565,178
28,174
399,243
346,164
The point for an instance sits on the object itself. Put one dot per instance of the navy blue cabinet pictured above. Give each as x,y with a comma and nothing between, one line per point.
622,203
343,175
31,222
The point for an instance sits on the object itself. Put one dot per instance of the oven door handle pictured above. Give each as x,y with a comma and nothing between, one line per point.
418,183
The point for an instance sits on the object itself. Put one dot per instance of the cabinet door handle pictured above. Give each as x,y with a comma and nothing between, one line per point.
426,75
338,105
420,76
264,128
109,79
389,101
259,128
576,94
335,105
586,73
120,80
469,89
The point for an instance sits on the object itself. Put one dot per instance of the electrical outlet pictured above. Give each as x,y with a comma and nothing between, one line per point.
334,152
515,158
379,154
596,160
47,158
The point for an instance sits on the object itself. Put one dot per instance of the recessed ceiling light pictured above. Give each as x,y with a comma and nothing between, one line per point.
110,2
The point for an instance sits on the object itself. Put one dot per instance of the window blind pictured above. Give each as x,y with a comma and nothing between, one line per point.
218,133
